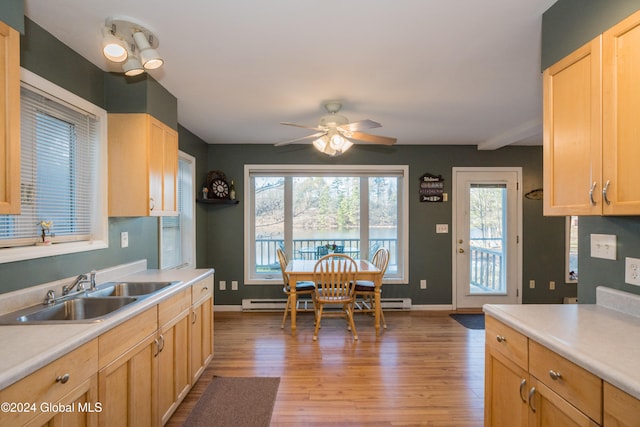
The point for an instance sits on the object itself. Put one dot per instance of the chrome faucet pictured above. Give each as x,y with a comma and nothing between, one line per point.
79,283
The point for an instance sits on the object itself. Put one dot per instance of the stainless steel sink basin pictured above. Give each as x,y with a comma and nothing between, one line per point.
129,289
77,310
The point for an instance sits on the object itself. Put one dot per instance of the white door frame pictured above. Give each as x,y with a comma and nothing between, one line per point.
454,207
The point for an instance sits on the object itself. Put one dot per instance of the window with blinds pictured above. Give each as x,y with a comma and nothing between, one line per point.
60,146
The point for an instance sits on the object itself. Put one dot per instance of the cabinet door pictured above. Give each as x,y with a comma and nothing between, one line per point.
506,386
173,366
621,127
547,409
127,387
201,338
9,120
572,133
170,168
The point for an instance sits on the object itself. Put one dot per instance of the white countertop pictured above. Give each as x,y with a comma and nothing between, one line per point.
26,348
601,339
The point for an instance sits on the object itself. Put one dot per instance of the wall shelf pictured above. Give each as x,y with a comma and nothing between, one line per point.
218,201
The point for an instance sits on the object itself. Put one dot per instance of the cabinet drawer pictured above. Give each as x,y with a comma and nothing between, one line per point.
576,385
506,341
620,408
202,289
118,340
171,308
45,385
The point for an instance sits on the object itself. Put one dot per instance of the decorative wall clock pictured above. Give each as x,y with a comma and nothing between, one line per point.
217,185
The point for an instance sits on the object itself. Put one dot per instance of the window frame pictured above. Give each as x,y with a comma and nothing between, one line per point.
567,249
402,171
100,226
188,230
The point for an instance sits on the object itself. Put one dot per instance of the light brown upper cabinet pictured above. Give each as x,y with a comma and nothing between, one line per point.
9,120
591,130
143,166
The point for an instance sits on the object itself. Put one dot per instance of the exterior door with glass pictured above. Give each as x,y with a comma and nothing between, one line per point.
487,254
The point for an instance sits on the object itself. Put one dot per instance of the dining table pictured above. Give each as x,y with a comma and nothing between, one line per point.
302,270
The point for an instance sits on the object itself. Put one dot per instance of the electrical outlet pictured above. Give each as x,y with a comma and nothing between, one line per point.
552,285
423,284
234,285
223,285
532,284
124,239
632,271
603,246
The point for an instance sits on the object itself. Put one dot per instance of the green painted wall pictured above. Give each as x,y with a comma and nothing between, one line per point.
429,253
567,25
12,13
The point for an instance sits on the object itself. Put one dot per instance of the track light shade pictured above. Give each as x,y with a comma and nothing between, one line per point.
148,56
132,67
113,48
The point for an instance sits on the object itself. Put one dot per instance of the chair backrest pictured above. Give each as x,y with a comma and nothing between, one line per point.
334,275
381,259
282,259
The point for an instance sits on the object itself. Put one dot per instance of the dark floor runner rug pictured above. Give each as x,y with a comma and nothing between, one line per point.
469,321
235,402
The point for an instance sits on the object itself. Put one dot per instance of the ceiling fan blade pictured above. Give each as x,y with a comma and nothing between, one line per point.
301,126
360,125
373,139
313,136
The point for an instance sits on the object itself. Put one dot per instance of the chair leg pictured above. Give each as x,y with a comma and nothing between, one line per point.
348,308
286,311
318,317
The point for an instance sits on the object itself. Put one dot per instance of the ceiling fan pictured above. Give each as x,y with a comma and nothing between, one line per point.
335,134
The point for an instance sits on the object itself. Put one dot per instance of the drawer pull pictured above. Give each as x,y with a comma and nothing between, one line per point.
62,379
532,393
206,288
523,384
500,338
554,375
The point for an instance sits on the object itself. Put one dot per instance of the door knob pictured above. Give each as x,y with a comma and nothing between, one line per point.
461,250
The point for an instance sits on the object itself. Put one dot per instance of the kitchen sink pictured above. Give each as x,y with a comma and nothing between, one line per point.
128,289
76,310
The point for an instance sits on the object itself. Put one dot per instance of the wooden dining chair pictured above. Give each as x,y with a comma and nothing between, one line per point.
334,275
365,289
302,288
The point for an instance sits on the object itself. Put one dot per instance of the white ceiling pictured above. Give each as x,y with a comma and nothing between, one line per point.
432,72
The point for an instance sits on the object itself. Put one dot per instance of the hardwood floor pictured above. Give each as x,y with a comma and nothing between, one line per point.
425,369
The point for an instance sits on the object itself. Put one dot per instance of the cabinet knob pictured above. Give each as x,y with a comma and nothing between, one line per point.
554,375
62,379
500,338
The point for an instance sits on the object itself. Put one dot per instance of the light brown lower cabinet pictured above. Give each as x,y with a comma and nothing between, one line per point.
201,331
527,384
47,396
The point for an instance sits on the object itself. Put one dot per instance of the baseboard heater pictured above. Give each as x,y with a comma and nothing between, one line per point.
305,304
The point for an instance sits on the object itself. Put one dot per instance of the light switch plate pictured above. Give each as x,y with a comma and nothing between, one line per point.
442,228
603,246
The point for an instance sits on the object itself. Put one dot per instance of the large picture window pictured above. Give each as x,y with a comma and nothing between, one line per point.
302,209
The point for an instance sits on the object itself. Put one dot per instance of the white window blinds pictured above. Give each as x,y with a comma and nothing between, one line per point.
59,167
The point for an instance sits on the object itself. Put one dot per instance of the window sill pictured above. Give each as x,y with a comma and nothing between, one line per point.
32,252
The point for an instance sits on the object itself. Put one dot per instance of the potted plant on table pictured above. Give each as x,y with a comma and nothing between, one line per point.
45,233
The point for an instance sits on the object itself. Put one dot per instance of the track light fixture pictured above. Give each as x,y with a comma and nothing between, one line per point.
132,45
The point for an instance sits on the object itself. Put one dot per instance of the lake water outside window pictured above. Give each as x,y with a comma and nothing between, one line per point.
306,214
